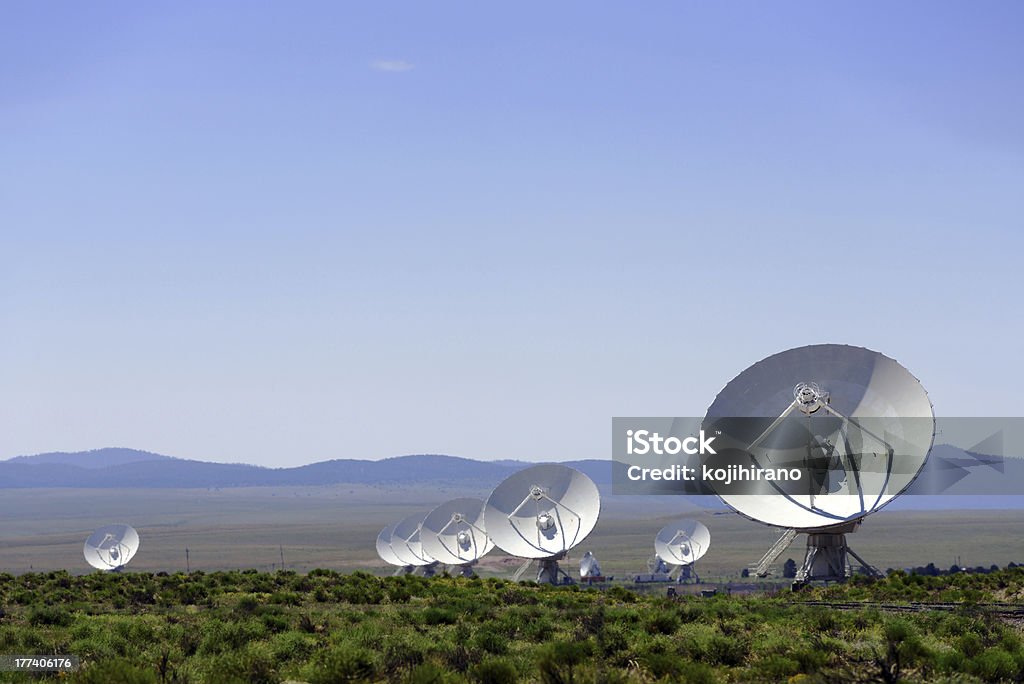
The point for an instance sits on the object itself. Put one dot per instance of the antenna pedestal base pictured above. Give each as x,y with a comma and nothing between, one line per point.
429,570
825,558
828,556
688,574
549,571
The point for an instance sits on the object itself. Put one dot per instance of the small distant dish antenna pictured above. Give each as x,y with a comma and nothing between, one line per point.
454,534
406,545
854,422
111,547
681,544
540,513
589,567
387,554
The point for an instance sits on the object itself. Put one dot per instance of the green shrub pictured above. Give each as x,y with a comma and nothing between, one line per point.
902,648
489,640
622,594
776,667
458,657
517,597
115,672
285,598
970,644
559,662
438,616
247,605
723,650
951,661
663,665
400,652
274,622
663,622
612,640
399,594
539,630
254,665
292,645
54,616
994,665
342,664
695,673
494,671
809,659
425,673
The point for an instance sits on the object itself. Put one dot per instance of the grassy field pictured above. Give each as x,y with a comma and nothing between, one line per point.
322,627
335,527
158,624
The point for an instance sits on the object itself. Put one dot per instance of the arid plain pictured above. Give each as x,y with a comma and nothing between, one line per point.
336,527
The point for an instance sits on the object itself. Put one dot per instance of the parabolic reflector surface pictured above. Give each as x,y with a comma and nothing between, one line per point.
454,533
855,423
405,541
384,549
682,542
111,546
542,511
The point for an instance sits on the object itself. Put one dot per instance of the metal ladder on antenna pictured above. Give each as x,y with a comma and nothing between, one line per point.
783,542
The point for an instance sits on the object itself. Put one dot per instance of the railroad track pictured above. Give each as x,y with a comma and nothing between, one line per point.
1005,609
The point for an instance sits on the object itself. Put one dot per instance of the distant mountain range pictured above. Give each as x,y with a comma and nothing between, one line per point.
952,478
97,458
115,467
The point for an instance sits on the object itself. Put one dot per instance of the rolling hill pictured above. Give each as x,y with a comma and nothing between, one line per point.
116,468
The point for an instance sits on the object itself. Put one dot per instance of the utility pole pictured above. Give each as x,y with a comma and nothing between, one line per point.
188,567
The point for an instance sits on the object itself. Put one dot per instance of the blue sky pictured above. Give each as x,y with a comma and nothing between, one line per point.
285,232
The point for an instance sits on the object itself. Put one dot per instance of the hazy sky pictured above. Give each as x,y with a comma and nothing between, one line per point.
285,232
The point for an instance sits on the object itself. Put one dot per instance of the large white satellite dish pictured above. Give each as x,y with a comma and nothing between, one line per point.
111,547
856,424
386,553
406,545
541,513
454,534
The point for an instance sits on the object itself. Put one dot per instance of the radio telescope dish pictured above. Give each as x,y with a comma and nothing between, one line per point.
454,534
111,547
405,544
589,568
384,550
683,542
854,423
680,545
541,513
